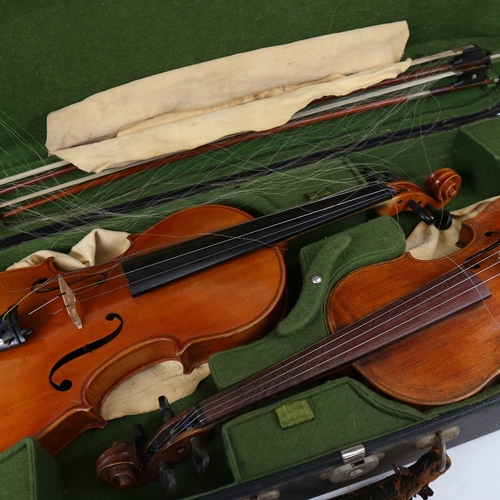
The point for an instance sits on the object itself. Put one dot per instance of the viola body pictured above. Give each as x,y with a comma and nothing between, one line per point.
55,383
423,332
449,360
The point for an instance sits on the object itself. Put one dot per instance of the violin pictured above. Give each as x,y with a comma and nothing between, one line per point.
205,279
424,332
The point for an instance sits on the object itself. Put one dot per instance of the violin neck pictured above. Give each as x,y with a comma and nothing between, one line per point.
149,271
434,302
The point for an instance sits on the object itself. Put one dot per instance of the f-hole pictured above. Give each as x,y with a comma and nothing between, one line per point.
496,243
66,384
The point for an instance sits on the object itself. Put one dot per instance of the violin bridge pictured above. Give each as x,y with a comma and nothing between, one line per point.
69,300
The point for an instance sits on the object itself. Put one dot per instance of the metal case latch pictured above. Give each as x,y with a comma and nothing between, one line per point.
355,464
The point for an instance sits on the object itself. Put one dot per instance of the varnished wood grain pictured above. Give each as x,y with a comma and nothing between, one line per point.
187,320
443,363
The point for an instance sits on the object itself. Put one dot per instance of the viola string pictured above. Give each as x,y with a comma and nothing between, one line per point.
326,348
235,396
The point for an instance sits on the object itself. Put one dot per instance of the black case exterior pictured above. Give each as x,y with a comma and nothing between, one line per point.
399,448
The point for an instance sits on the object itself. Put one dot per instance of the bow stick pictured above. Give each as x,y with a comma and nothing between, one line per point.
76,186
282,166
462,57
472,77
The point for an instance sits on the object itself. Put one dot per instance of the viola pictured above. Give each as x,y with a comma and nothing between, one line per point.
203,280
424,332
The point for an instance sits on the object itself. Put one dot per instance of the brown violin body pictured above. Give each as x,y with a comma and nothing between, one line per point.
187,321
450,360
203,280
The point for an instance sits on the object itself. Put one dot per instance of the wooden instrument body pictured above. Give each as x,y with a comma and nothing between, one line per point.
186,320
450,360
423,332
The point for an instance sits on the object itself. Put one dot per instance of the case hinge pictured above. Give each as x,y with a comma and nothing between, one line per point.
267,495
356,463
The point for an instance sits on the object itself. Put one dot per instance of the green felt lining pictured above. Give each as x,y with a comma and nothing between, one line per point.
345,412
28,472
57,53
477,144
375,241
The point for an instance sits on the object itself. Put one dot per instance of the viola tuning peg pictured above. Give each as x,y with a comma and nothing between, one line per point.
140,438
167,479
165,410
201,458
441,218
120,466
421,212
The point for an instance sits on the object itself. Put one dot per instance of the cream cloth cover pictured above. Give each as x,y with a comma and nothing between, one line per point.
185,108
427,242
139,393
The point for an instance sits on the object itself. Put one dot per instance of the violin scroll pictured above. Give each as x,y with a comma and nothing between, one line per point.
119,466
127,464
442,186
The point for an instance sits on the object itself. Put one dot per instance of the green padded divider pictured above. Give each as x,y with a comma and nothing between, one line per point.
377,240
345,413
28,472
477,145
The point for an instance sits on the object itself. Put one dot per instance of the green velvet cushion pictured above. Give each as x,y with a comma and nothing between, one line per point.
28,472
379,239
345,413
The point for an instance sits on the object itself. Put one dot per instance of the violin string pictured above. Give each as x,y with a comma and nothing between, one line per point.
50,281
18,302
339,210
359,200
234,394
